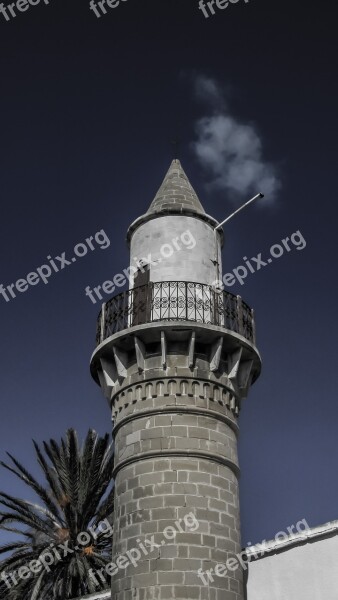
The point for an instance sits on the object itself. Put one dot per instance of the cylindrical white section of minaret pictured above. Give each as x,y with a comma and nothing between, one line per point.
178,248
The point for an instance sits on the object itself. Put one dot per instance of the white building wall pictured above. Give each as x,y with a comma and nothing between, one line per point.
305,572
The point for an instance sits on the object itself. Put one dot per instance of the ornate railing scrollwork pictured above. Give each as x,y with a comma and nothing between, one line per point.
175,301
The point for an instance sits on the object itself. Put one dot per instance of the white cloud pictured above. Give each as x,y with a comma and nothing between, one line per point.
229,151
208,91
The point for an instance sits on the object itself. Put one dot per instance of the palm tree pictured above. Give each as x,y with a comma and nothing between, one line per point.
72,524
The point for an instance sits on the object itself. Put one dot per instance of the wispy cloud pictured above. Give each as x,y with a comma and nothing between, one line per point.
230,152
209,92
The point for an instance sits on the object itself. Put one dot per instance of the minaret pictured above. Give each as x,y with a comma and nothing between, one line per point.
175,356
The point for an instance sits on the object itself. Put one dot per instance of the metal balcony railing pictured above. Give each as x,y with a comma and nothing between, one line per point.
175,301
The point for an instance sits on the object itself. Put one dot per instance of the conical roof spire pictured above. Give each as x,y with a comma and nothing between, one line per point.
176,196
176,193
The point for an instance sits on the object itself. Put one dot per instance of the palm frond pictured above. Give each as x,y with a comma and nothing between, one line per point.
78,494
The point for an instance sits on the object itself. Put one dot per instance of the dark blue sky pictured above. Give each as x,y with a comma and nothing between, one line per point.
88,108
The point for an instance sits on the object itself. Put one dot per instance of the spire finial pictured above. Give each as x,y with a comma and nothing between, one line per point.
176,193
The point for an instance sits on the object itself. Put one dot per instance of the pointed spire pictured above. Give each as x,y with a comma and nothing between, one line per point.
176,196
176,193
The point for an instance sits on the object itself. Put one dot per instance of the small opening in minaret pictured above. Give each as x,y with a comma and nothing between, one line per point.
142,275
141,299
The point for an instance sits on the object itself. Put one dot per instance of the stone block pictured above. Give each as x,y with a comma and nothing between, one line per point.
196,501
132,438
162,464
174,500
161,564
208,491
151,478
170,476
144,467
220,482
178,464
219,505
155,432
163,513
184,592
198,477
200,432
208,540
202,552
224,595
145,580
163,489
186,564
177,431
187,443
151,502
170,577
169,550
183,487
189,538
142,492
163,420
183,551
149,527
133,482
219,530
167,592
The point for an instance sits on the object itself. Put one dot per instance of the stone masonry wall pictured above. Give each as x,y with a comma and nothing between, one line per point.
176,455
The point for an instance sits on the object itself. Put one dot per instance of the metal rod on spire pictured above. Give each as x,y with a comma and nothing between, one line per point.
176,142
239,209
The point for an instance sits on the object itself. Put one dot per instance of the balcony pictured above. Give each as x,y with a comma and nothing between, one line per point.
175,301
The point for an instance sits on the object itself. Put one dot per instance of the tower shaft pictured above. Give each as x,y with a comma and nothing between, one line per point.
175,359
176,475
